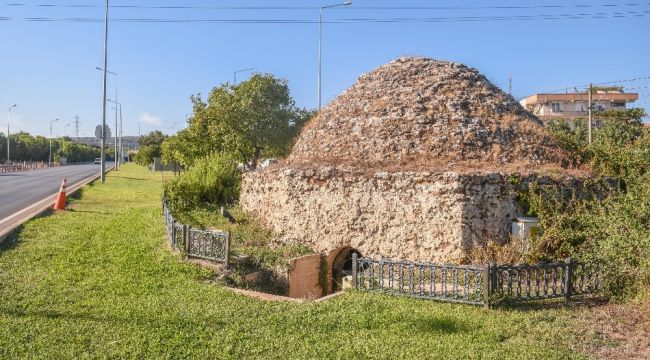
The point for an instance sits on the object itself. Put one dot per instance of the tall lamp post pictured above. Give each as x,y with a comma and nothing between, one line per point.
239,71
116,128
65,126
49,158
8,130
320,47
103,150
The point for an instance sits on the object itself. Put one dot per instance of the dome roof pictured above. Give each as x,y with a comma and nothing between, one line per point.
420,111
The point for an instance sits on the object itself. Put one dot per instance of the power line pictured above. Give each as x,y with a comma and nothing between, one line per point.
204,7
599,15
638,87
602,83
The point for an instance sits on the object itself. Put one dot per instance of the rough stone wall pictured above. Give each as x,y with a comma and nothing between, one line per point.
418,216
419,113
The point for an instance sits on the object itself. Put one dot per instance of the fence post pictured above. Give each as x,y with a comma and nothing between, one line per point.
355,269
487,279
494,278
173,234
226,250
568,278
186,238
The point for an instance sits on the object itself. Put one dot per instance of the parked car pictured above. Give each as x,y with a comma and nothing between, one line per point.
98,161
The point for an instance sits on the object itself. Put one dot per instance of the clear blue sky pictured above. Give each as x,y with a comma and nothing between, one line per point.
48,68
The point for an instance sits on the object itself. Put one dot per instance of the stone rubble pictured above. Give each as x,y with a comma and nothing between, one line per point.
428,113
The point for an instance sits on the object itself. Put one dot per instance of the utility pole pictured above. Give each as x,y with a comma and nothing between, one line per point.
590,112
49,158
510,85
121,148
117,131
8,129
103,158
76,126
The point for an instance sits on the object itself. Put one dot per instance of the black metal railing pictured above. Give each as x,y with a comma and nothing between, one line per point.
476,285
197,243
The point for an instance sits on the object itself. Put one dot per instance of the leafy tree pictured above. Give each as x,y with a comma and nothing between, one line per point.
254,119
606,88
150,147
25,147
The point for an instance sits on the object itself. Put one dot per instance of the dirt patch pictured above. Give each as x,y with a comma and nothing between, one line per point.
616,331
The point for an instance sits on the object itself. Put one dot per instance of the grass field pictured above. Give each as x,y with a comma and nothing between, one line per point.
98,281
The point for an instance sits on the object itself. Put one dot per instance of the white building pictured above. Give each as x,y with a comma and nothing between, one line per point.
571,106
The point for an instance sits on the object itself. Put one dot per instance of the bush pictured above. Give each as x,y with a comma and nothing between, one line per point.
213,180
612,230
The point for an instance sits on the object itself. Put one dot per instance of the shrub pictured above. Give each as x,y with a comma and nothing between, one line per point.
612,230
213,180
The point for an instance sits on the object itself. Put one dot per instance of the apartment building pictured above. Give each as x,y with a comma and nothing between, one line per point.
572,106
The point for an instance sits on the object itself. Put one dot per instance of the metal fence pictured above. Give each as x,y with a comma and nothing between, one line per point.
476,285
25,166
197,243
463,284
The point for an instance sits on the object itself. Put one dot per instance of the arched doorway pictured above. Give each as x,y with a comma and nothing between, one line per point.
342,267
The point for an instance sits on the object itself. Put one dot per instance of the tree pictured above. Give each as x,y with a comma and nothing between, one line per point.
150,147
251,120
25,147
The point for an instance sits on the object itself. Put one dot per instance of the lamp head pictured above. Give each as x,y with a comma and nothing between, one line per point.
347,3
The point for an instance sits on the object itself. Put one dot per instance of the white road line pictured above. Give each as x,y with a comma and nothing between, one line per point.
7,225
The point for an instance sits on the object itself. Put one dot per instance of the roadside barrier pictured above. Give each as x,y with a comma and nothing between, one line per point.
25,166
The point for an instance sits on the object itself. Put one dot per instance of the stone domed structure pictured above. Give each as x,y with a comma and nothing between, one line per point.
412,162
418,111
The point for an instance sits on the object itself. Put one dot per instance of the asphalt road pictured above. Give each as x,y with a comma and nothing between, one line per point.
21,189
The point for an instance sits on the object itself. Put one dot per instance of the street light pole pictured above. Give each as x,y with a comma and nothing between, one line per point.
238,71
116,129
121,148
103,156
49,158
320,47
8,129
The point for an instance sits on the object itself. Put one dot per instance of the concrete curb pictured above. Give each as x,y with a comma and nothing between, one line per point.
39,208
271,297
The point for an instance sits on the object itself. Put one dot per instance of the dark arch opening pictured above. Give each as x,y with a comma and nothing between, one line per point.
342,267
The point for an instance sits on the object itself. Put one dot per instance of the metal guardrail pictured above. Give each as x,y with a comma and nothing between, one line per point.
197,243
21,167
476,285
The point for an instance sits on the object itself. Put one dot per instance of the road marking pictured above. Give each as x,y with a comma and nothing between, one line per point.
38,208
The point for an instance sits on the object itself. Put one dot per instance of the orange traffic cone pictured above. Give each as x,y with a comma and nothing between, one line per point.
59,204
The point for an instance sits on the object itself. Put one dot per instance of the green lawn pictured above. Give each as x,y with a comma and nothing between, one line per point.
98,281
